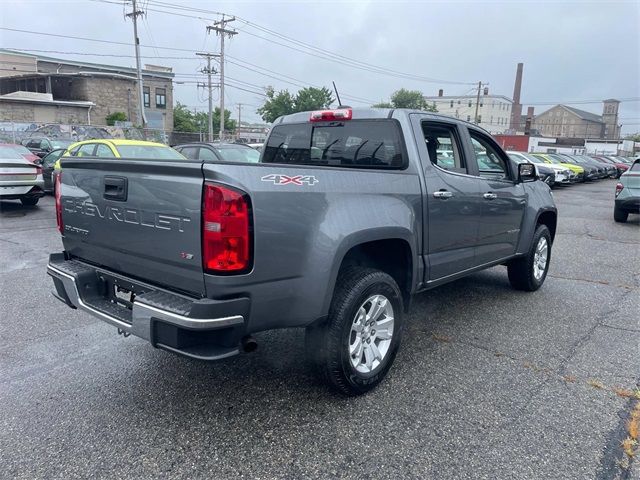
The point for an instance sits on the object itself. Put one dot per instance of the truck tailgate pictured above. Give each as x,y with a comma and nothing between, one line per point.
140,218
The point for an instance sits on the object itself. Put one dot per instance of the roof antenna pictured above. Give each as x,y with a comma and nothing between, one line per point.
337,94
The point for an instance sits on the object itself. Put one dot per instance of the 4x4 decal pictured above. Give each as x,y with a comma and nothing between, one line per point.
280,179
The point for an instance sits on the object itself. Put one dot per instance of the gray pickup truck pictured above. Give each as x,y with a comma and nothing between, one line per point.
347,214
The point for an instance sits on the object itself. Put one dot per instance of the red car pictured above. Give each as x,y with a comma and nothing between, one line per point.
24,151
620,166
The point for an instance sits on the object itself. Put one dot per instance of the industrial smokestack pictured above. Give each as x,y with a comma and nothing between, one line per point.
440,92
518,85
530,112
516,111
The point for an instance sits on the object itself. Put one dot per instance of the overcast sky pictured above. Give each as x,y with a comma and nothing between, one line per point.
572,51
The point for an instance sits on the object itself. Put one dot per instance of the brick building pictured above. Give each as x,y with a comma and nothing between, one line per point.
565,121
40,89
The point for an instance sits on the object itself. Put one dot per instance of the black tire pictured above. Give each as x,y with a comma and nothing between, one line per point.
521,270
30,201
327,345
620,216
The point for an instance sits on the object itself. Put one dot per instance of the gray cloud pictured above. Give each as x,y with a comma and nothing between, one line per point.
571,50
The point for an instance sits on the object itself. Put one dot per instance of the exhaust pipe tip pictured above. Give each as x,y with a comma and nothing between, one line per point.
249,344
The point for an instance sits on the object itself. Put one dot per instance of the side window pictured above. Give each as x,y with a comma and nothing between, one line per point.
44,144
161,98
34,144
206,154
443,146
86,150
104,151
190,152
491,163
146,94
51,159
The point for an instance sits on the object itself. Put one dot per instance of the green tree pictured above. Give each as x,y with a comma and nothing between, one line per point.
184,120
311,98
276,104
404,98
382,105
633,136
284,103
116,117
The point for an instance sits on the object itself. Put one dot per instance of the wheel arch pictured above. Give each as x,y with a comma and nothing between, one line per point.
391,250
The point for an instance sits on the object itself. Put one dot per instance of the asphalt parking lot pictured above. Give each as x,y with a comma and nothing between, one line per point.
490,382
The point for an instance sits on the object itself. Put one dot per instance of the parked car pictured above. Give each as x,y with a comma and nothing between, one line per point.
551,159
24,151
621,167
348,213
220,152
591,172
20,179
627,194
545,173
41,146
610,169
257,146
118,148
48,167
564,175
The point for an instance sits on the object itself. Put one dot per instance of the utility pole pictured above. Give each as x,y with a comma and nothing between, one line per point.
209,71
219,28
475,117
134,15
239,117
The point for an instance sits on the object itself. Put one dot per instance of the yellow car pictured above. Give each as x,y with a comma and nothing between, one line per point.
551,158
120,148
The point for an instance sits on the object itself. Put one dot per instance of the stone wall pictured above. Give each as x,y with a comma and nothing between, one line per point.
42,113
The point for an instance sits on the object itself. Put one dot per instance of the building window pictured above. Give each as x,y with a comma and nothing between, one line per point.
468,118
451,104
146,94
161,98
491,122
458,102
479,118
481,103
469,102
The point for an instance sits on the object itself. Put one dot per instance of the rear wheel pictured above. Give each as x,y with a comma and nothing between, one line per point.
619,215
354,349
30,201
529,272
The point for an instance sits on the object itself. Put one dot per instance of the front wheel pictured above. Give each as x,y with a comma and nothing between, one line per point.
354,349
529,272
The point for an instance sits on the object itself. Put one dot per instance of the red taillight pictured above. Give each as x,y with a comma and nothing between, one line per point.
331,115
226,241
58,193
619,188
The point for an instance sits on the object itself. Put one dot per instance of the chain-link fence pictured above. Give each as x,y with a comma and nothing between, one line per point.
18,132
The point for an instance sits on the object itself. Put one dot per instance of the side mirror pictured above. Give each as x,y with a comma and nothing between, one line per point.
527,173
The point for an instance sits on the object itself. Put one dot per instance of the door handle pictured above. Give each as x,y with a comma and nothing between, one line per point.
115,188
442,194
490,196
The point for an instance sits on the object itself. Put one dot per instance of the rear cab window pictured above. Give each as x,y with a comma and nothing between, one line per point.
375,143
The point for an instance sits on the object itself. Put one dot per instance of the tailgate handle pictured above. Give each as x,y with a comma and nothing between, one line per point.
115,188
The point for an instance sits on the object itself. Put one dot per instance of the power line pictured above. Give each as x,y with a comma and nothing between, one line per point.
314,51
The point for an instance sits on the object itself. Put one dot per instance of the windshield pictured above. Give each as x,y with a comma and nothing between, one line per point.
149,151
239,154
11,153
